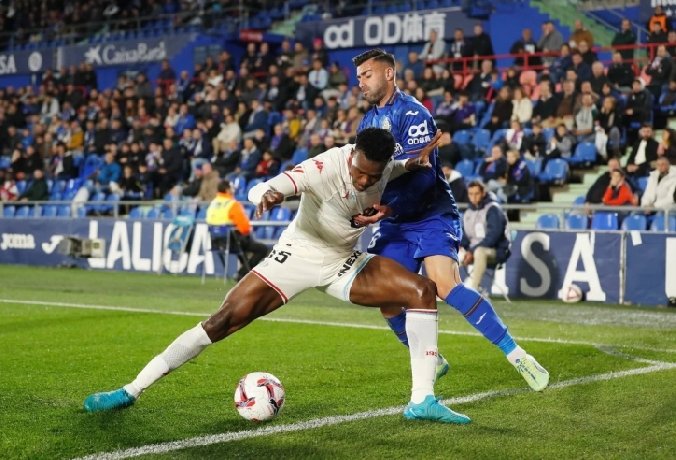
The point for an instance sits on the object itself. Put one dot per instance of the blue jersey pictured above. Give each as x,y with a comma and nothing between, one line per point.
417,195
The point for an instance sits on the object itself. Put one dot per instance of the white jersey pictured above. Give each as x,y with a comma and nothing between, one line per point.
328,201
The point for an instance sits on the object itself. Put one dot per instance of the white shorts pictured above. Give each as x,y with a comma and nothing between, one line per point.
292,268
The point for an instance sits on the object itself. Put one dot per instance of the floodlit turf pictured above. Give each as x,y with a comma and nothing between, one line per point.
52,356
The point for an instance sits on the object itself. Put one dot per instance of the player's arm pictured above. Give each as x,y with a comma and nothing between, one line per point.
304,176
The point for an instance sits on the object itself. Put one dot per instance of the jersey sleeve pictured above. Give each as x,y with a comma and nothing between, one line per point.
416,129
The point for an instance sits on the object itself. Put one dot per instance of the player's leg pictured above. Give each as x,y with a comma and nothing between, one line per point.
250,299
479,312
386,244
382,282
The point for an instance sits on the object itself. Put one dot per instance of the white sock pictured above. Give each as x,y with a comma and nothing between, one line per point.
517,353
421,328
184,348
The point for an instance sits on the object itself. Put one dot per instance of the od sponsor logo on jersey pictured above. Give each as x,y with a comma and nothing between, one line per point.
17,241
419,134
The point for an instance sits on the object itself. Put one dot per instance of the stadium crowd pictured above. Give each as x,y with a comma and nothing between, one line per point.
249,119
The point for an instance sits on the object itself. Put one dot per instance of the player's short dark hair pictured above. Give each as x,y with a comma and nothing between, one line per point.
223,186
376,144
376,54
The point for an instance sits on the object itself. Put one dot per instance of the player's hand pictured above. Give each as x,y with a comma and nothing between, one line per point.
468,259
270,199
371,215
423,160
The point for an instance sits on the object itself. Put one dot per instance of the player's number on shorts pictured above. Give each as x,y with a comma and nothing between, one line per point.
279,256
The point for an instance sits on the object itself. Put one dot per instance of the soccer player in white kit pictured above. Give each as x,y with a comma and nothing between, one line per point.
317,250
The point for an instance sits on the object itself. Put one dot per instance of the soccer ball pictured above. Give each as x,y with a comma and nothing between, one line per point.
571,293
259,396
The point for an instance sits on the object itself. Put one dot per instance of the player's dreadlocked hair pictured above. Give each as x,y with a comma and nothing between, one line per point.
376,144
377,54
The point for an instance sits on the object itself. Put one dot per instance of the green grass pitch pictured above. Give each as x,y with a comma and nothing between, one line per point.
335,360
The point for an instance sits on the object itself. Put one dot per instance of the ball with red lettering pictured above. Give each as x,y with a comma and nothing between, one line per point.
259,396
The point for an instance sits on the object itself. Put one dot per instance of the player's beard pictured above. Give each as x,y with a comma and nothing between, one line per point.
375,96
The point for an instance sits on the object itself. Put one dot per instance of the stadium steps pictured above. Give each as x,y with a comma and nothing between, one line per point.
566,13
565,194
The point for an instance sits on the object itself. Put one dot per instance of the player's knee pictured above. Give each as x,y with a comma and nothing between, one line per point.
426,293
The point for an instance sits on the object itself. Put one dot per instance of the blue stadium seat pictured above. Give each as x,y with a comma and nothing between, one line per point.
635,222
5,162
96,207
657,224
251,184
585,154
576,222
153,213
63,210
548,222
462,136
498,136
136,213
49,210
299,156
535,166
482,140
239,186
605,221
8,211
23,211
642,183
548,133
278,214
556,172
579,200
110,205
465,167
249,210
21,186
202,213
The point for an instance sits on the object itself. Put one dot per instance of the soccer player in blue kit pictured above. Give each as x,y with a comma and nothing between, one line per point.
419,220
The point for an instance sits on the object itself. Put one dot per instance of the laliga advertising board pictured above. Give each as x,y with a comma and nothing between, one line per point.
541,264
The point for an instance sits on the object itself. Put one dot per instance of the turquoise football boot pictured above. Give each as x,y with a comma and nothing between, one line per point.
116,399
432,409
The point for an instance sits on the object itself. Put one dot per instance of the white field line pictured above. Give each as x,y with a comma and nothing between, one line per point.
317,323
208,440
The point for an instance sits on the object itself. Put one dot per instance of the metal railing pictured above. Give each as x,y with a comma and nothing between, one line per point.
171,209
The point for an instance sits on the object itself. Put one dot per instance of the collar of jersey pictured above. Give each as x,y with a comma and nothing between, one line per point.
391,100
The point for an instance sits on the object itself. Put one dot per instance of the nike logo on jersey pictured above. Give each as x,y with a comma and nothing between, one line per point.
411,112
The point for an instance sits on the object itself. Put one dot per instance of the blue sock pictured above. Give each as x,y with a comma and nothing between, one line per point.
398,326
479,312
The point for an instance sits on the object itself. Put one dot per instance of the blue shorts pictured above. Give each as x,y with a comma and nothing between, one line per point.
410,242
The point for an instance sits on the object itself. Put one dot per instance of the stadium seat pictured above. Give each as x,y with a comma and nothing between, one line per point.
548,222
465,167
585,154
23,211
110,205
576,222
462,136
642,183
657,224
556,172
8,211
202,213
605,221
49,210
635,222
21,186
535,166
153,213
63,210
94,204
136,213
5,162
498,136
579,200
482,140
278,214
299,156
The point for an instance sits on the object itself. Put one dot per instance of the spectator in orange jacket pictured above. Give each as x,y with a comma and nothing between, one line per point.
618,192
226,211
